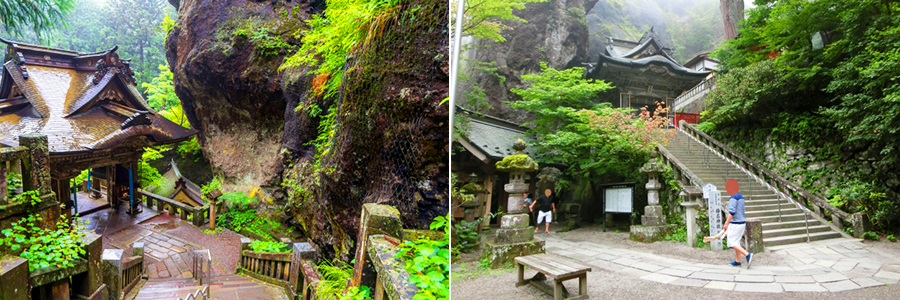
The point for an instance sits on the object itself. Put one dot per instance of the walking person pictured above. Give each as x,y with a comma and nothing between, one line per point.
735,223
527,203
546,208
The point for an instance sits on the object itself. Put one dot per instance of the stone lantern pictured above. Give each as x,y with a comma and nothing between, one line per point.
514,238
653,222
689,195
476,198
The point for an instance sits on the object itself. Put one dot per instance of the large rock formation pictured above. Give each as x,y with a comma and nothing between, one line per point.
228,90
390,142
555,33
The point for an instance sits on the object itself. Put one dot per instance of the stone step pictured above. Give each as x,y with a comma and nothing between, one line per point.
793,239
784,218
758,205
798,230
768,213
789,224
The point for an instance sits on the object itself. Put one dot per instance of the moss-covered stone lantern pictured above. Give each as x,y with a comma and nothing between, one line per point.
514,238
474,197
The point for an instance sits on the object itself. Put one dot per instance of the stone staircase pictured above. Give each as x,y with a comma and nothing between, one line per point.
223,287
782,221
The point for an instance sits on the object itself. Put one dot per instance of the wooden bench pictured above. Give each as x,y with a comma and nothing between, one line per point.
557,268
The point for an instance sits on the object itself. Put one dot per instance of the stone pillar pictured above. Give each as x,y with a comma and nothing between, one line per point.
245,243
36,172
112,272
93,248
213,197
300,252
374,219
755,236
14,276
860,224
3,175
690,194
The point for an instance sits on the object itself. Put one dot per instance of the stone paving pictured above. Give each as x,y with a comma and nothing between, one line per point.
826,266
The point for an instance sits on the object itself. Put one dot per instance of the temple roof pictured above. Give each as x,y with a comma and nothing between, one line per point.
175,182
491,136
81,101
650,49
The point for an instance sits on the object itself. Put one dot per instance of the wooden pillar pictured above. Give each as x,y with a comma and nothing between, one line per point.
489,187
110,185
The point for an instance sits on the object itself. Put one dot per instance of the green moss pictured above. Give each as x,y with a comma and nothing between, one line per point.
517,161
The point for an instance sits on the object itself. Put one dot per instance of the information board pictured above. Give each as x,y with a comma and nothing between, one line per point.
714,211
619,200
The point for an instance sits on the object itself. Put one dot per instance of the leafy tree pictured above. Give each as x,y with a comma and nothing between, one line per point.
484,18
133,26
161,90
40,15
597,141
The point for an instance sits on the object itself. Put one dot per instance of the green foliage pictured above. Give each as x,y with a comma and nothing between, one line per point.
597,141
149,175
890,237
13,182
870,235
269,247
867,198
485,263
345,26
264,42
81,177
190,147
468,235
44,247
333,283
239,217
484,18
323,142
428,262
212,185
161,90
31,197
694,28
40,15
237,200
680,235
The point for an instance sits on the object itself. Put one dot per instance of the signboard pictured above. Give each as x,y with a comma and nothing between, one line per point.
619,199
690,118
714,211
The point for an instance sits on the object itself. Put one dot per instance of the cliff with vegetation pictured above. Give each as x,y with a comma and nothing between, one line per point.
320,133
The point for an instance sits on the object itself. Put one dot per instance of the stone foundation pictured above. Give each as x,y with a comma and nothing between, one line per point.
649,234
514,235
501,255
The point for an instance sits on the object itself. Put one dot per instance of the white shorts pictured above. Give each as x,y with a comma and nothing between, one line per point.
735,233
542,215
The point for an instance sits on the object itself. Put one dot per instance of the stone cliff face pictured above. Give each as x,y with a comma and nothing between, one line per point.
391,140
228,90
555,33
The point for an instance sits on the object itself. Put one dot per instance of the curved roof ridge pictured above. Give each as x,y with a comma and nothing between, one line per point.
649,60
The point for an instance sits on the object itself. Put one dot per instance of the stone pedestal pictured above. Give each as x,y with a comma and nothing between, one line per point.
690,219
14,276
653,216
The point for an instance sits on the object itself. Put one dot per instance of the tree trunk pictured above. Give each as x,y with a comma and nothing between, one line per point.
732,14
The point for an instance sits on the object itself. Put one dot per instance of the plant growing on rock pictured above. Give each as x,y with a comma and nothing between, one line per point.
269,247
428,262
44,247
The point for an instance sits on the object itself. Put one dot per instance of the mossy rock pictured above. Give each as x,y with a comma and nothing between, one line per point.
517,162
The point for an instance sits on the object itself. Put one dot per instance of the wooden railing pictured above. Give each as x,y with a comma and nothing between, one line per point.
195,215
132,270
782,186
272,266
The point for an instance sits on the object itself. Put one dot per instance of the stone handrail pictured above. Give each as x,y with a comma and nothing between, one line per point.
182,210
393,280
780,184
132,270
270,266
688,97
